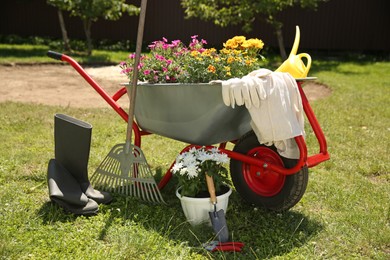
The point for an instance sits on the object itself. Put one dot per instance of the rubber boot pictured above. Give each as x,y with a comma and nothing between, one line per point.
65,191
72,139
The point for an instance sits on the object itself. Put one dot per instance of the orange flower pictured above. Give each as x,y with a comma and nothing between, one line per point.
211,69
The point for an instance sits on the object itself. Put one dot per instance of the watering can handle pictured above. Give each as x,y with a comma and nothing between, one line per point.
308,65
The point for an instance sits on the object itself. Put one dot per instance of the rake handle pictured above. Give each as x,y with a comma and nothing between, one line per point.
133,92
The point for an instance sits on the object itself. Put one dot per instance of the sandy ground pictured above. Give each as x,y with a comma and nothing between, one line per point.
62,85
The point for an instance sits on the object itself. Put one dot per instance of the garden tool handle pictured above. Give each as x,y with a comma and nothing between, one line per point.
211,188
54,55
133,91
308,64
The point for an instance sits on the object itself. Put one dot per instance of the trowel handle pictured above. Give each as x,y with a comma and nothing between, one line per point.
211,188
308,65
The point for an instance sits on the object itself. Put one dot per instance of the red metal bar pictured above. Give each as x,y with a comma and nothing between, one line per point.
110,100
248,159
323,154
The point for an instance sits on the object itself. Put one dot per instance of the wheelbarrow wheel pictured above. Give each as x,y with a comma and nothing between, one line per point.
263,187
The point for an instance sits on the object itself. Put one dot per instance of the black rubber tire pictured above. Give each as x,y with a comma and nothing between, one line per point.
290,193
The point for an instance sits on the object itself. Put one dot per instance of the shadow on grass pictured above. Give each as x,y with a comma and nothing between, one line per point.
37,51
265,234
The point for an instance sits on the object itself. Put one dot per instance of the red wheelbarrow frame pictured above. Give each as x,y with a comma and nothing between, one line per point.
304,159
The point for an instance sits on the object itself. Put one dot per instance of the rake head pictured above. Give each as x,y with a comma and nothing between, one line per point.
128,174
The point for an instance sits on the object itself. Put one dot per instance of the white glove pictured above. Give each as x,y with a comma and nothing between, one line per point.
231,92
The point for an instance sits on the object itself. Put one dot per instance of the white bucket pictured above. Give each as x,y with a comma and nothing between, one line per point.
197,210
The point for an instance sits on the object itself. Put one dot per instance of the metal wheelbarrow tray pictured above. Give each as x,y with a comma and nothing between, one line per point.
191,113
197,115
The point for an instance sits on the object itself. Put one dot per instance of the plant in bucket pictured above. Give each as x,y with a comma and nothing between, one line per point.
190,169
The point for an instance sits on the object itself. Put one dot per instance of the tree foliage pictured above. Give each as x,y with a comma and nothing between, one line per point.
245,12
91,10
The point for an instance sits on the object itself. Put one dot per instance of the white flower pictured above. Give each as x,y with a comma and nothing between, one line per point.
183,171
192,171
177,166
188,163
221,157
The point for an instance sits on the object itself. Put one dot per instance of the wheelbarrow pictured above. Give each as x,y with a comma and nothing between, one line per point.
260,175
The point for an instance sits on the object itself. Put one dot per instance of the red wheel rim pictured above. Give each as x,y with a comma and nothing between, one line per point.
260,180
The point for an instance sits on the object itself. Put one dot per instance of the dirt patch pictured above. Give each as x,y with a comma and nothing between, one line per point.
62,85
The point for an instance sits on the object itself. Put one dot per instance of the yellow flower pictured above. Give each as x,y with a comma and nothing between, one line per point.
239,39
194,53
212,50
230,59
211,68
230,44
249,62
253,43
225,51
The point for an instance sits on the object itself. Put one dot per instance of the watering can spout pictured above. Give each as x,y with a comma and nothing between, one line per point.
294,49
294,64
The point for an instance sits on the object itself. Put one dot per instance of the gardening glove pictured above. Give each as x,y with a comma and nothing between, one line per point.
256,91
228,87
236,92
245,92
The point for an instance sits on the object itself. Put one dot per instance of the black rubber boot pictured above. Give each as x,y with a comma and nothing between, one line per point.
65,191
72,139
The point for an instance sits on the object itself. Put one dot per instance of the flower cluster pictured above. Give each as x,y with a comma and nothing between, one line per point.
174,62
192,166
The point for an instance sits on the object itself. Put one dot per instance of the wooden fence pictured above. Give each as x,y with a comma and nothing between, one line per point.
352,25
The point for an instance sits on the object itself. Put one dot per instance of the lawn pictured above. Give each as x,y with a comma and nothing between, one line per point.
344,213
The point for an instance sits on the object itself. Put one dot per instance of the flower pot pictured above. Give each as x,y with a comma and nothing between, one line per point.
197,210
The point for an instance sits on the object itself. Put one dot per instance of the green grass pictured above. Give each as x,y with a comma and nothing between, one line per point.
27,54
344,213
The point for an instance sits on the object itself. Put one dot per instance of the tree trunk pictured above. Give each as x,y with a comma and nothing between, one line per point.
279,36
64,32
87,29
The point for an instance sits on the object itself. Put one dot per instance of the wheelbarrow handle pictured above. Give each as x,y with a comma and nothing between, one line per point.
54,55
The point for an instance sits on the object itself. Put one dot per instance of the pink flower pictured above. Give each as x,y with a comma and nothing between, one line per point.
146,72
159,57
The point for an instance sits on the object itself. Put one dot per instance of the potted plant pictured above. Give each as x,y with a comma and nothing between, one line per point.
174,98
190,169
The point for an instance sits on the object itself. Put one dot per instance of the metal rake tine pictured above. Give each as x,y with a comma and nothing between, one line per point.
156,194
144,194
126,187
152,191
123,187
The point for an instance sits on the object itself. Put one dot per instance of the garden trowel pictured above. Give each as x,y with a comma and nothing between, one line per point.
217,218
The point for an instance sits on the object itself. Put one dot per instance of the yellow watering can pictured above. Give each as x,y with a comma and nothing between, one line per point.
294,64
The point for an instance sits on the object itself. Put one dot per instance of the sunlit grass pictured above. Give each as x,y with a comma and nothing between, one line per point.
344,213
